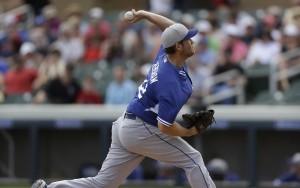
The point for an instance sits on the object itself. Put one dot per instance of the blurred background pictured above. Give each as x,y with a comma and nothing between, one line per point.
69,68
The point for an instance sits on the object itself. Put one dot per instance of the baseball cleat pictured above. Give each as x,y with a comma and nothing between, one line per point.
39,184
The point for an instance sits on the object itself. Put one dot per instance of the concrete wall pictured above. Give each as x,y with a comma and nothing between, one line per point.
63,152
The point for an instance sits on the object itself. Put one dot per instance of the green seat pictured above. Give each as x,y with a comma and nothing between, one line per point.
16,99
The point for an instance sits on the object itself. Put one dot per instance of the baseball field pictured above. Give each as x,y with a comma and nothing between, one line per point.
124,186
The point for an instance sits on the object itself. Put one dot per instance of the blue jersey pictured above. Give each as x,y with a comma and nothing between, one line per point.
163,93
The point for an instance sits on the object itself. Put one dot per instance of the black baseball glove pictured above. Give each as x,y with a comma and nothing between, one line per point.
200,120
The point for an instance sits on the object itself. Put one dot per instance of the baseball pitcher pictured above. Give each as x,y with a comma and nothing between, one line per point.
148,127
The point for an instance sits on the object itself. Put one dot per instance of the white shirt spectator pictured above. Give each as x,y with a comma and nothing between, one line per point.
71,49
262,52
161,6
70,46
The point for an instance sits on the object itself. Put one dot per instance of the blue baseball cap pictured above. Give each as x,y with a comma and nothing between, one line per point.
176,33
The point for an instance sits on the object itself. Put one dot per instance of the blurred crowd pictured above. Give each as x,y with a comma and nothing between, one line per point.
46,62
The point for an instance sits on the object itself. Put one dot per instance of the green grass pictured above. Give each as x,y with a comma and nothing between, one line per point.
123,186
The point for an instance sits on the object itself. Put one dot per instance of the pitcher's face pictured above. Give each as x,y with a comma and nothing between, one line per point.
188,48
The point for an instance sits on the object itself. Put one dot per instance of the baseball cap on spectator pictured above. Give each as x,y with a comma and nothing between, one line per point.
246,21
49,11
27,48
232,30
9,19
96,12
188,19
217,165
203,26
295,159
145,69
176,33
291,30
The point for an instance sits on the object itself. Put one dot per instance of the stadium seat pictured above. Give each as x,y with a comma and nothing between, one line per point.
17,99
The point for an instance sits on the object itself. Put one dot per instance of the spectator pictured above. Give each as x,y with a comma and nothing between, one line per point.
96,36
248,25
151,40
137,175
269,24
52,22
3,69
31,58
121,90
216,35
128,38
200,76
3,66
12,37
19,79
38,35
205,56
219,170
97,27
89,94
204,29
94,51
163,7
164,171
73,9
293,175
290,42
61,90
167,172
70,46
188,20
277,12
226,64
266,44
50,68
238,49
292,14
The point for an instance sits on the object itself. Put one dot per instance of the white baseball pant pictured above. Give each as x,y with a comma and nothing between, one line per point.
132,140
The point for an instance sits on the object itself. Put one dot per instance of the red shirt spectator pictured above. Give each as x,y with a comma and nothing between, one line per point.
88,97
19,79
93,51
89,94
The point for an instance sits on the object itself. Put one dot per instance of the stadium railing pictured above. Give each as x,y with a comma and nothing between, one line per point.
236,91
275,75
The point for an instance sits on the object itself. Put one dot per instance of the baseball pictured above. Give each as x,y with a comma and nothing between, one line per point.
128,15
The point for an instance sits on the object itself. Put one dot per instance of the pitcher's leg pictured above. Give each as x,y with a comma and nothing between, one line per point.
174,151
119,163
90,182
182,155
116,167
197,171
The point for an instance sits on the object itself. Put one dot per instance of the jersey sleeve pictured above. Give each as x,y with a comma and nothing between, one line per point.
168,106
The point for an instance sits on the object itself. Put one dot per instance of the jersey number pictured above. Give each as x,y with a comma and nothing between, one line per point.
142,88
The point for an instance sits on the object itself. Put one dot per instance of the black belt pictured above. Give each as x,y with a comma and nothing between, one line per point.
128,115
